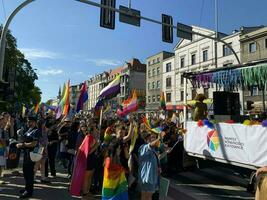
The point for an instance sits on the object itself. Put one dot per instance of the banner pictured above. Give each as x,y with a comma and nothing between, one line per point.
230,142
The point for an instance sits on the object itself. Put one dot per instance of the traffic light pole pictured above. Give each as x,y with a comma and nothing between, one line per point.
159,22
5,28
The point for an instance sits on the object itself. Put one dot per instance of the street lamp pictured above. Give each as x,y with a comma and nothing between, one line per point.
3,36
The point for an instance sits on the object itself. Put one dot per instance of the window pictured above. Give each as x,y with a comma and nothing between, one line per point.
168,67
182,80
194,93
148,99
148,63
193,59
252,47
153,72
158,84
182,62
149,73
154,98
226,50
206,92
158,98
158,71
182,95
266,43
205,55
168,97
154,61
168,82
153,85
148,86
157,59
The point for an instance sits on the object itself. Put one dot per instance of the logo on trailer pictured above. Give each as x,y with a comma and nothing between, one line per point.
213,140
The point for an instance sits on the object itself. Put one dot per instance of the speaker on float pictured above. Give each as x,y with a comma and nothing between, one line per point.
226,103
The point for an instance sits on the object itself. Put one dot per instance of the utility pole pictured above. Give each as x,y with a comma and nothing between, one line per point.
216,34
3,36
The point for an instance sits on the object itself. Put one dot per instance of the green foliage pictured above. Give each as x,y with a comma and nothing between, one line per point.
26,91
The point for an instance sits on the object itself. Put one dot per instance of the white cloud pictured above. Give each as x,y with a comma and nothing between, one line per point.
104,62
39,53
50,72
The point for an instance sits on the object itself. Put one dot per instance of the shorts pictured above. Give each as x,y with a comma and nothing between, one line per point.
147,187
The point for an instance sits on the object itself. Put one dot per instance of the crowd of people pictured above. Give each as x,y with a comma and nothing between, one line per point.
122,158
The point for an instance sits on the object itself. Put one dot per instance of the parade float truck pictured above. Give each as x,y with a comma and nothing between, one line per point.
230,137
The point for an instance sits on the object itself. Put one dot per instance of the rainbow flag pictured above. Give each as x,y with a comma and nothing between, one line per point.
83,97
114,183
146,123
64,105
162,101
80,166
157,130
129,105
36,108
111,90
133,140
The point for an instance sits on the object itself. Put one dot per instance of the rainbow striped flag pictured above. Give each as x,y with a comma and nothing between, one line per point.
146,123
111,90
114,183
36,108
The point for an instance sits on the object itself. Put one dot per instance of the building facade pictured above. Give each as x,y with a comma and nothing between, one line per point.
154,79
95,85
198,55
254,49
168,82
133,77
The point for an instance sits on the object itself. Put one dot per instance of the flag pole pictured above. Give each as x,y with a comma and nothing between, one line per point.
100,120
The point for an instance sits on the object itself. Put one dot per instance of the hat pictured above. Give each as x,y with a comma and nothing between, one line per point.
200,97
32,118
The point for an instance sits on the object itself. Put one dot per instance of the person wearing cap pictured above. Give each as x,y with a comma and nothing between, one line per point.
149,165
63,133
29,142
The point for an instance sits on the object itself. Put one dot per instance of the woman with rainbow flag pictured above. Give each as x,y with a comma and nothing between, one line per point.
115,183
149,165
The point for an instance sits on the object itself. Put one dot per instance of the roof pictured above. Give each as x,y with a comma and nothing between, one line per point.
115,71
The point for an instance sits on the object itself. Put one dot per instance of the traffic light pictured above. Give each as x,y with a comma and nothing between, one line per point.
107,16
167,31
250,105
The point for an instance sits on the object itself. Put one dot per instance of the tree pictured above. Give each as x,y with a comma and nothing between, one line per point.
20,76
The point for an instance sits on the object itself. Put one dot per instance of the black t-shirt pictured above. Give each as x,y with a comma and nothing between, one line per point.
32,134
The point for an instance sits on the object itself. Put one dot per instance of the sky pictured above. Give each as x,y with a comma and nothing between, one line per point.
63,40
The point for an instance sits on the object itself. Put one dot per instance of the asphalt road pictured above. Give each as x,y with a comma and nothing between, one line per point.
211,183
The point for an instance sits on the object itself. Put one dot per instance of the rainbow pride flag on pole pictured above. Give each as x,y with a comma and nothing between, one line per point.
64,105
36,108
114,183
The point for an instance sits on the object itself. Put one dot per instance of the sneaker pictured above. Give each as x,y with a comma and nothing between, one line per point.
25,195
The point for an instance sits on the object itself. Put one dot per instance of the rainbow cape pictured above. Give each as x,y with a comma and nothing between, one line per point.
114,183
80,166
